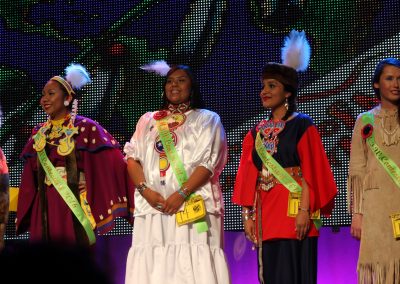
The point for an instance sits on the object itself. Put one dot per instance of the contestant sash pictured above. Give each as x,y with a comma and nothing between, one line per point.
279,172
388,164
66,193
176,163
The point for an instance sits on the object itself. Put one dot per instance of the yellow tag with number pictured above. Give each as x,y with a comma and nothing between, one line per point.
294,204
396,225
194,210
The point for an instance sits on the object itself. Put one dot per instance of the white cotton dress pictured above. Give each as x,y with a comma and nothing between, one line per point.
161,251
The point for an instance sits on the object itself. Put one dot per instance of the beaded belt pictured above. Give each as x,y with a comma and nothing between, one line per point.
266,181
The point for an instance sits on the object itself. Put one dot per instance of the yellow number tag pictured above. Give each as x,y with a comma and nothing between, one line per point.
293,204
396,225
193,211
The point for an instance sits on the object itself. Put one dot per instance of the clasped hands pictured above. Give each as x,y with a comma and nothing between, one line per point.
168,206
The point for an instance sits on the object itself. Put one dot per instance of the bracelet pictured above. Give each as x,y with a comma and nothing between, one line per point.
247,211
247,214
246,217
186,191
184,195
141,187
304,209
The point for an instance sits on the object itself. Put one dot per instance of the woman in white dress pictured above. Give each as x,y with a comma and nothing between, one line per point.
162,251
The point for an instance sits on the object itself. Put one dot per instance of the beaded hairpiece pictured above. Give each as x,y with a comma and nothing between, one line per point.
75,79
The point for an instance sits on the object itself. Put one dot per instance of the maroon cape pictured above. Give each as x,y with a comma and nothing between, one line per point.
109,190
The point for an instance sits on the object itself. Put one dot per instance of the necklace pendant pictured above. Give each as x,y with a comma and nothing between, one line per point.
67,144
40,138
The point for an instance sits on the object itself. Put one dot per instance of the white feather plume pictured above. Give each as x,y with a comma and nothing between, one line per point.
77,76
296,51
159,67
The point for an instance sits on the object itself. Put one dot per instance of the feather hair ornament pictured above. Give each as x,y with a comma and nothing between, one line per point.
296,51
159,67
77,76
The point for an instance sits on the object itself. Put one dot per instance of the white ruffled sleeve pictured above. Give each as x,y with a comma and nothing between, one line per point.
135,148
211,145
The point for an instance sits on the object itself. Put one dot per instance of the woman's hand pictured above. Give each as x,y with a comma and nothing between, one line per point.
356,224
302,224
82,185
250,230
154,199
173,203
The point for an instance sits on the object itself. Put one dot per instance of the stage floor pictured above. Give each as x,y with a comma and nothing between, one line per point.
337,257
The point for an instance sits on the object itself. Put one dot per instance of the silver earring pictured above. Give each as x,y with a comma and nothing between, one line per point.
286,104
66,103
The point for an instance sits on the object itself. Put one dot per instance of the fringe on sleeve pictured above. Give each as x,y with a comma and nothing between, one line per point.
355,194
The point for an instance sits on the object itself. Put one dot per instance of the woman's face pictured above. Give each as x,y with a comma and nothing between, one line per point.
52,100
178,86
273,94
389,85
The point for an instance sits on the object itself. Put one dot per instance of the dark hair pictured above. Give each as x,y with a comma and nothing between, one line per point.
292,101
289,79
377,75
195,96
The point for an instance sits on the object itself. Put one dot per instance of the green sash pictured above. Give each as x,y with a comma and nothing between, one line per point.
176,162
279,173
66,193
388,164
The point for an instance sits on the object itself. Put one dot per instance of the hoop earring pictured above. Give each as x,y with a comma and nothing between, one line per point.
286,104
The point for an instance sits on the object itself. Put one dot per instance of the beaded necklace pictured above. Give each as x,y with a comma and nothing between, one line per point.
269,130
57,129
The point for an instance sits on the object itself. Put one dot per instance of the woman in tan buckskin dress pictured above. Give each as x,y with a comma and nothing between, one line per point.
373,194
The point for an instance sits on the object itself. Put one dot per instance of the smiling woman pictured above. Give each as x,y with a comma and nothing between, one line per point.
373,184
53,101
178,86
182,168
284,181
64,171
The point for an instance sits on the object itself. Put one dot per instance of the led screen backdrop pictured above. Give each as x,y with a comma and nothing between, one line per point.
226,42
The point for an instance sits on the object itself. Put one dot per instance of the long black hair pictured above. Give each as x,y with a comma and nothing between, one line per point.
195,96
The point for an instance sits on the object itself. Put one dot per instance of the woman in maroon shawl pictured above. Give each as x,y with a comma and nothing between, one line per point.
86,158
